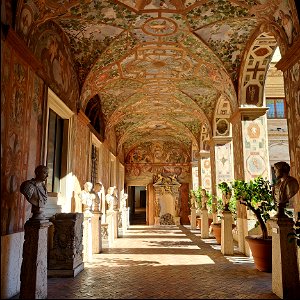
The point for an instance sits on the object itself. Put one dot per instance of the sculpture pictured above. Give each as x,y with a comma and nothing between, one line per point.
124,200
97,191
109,198
115,195
86,196
35,192
285,187
204,199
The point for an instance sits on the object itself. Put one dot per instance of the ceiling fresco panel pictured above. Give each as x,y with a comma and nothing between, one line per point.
159,67
228,40
213,11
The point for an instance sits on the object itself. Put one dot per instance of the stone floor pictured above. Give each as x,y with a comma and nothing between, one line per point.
166,262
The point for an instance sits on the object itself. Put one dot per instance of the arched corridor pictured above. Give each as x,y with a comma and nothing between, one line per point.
132,105
165,262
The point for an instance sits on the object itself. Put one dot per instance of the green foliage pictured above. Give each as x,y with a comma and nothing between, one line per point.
198,196
257,196
224,187
227,189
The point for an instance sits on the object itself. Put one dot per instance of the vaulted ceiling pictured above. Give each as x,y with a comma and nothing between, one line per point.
159,67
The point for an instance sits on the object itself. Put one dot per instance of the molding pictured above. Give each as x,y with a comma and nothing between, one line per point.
25,53
290,58
82,117
221,140
56,104
251,113
204,154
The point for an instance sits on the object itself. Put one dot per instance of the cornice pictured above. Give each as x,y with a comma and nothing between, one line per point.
221,140
290,58
83,118
251,113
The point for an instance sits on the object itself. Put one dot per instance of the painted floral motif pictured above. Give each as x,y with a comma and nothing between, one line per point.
228,41
213,11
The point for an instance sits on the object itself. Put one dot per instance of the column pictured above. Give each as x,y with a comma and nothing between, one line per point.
226,234
251,157
34,264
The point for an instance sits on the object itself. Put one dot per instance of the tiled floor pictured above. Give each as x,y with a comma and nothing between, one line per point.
166,262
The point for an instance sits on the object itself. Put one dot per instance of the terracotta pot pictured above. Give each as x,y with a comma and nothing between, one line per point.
216,230
261,251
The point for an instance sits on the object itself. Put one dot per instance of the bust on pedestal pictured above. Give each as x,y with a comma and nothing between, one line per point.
34,264
87,198
204,215
285,273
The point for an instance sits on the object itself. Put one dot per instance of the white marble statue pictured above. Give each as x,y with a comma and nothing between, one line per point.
109,198
86,196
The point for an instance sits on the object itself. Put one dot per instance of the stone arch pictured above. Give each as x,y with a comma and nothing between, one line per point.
256,61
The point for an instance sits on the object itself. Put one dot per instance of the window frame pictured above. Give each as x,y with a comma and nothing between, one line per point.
275,99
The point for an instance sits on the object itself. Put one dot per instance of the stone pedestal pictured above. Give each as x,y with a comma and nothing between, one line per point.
128,217
96,232
110,227
156,220
87,237
34,264
177,221
104,235
193,218
65,255
204,224
226,234
242,232
116,222
124,217
215,218
285,273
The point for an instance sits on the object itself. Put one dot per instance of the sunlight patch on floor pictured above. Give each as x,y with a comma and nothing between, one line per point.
114,260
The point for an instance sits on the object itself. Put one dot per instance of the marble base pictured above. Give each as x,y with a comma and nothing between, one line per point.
226,234
65,273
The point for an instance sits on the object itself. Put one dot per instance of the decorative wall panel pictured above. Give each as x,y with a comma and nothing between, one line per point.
21,130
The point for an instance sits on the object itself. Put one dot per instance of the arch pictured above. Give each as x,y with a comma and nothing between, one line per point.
94,112
256,60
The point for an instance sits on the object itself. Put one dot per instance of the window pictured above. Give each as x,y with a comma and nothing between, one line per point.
276,108
94,167
54,151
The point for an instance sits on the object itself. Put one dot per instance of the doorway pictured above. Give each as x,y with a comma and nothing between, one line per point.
137,202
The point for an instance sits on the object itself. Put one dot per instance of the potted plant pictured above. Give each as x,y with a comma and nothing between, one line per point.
196,194
257,196
229,204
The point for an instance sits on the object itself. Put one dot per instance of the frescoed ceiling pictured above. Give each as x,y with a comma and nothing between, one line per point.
159,67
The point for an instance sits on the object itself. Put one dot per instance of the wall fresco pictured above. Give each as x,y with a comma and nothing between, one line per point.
21,103
224,166
50,46
255,154
157,158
